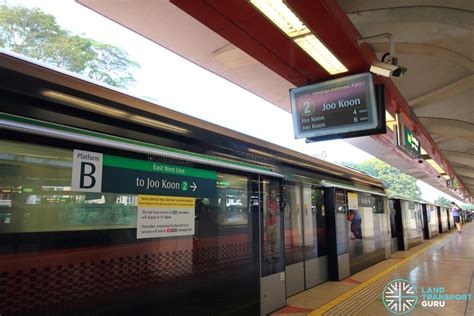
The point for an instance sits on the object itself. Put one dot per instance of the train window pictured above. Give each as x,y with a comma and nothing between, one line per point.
273,248
233,200
341,201
366,220
293,224
36,196
391,208
38,182
378,206
39,212
413,216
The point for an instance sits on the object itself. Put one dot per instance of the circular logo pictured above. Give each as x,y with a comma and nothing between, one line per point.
308,107
400,296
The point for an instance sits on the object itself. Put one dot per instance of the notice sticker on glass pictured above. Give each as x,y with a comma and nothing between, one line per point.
352,201
165,216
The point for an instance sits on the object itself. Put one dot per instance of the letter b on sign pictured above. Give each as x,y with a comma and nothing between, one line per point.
86,171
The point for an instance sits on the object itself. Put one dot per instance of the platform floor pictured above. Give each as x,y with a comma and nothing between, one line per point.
446,261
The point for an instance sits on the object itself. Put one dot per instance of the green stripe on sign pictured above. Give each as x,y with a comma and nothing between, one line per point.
135,164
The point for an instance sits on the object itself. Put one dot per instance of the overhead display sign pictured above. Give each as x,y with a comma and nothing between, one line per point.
95,172
340,108
165,216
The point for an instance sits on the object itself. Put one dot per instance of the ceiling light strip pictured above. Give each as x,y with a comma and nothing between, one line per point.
285,19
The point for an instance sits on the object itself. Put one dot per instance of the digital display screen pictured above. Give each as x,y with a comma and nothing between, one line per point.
335,107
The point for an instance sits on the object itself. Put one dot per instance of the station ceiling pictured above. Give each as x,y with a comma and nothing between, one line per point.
434,39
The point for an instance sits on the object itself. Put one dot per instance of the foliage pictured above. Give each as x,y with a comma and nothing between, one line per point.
395,181
442,201
35,34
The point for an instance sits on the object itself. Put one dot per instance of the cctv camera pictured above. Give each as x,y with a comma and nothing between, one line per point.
388,66
387,69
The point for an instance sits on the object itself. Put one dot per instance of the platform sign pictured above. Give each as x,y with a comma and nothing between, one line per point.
340,108
165,216
113,174
86,171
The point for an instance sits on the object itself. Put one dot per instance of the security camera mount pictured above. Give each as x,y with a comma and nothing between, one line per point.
391,45
388,66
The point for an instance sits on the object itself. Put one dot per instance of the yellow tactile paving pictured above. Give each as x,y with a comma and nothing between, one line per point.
328,306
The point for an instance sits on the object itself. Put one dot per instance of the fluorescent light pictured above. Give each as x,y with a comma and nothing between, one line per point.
390,120
435,166
313,46
282,16
423,152
446,177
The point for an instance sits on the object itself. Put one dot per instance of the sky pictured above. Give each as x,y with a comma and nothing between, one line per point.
178,84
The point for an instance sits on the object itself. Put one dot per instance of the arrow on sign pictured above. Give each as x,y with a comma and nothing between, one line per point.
194,186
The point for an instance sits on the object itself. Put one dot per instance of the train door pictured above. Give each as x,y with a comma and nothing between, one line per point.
272,282
305,237
315,250
392,209
294,250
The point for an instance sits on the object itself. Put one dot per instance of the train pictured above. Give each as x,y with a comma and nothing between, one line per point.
111,204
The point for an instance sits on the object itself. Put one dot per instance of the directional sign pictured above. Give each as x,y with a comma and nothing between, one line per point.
133,176
410,143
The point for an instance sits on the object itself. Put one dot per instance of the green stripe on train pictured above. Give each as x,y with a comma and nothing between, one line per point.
64,128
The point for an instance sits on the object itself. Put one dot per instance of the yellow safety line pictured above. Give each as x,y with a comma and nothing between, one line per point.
346,295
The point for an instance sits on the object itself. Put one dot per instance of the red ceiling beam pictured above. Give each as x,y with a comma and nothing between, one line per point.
396,103
241,24
319,18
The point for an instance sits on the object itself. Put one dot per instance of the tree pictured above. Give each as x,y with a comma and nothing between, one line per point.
395,181
442,201
35,34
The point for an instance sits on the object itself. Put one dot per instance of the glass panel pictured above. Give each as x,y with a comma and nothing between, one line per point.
310,226
321,222
444,218
273,229
380,223
38,180
48,231
233,200
432,215
367,223
412,213
293,224
342,226
391,209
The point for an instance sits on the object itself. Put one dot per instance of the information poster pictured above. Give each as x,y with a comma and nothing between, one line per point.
352,201
165,216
